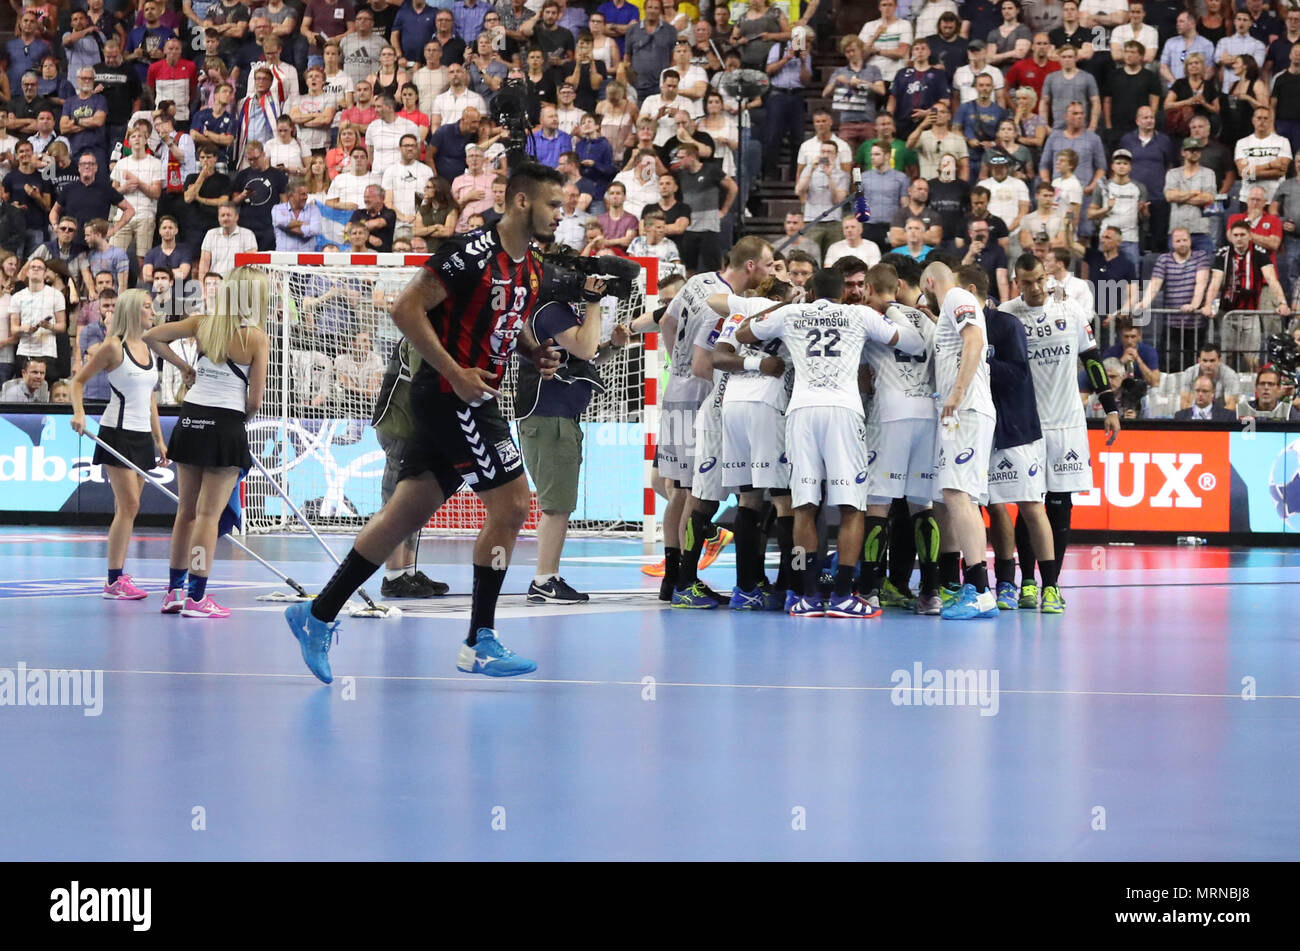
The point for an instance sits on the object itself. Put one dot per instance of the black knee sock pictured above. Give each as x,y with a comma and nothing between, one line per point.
1060,506
748,539
812,578
873,552
843,580
1004,569
950,568
797,576
785,541
672,564
902,545
483,610
925,534
1025,550
977,574
349,576
697,532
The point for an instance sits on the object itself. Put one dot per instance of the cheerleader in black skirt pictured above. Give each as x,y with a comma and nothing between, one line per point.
209,443
129,424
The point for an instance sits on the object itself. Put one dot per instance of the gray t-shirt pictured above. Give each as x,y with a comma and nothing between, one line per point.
1287,197
855,104
700,191
361,55
1191,217
1226,384
1081,87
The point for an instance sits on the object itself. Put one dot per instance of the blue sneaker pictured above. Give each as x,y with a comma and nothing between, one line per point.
1008,596
492,658
791,599
314,636
808,607
747,600
697,596
970,605
852,607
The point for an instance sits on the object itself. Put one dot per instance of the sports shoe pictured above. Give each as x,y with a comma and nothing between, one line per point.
417,585
314,637
1029,595
173,601
747,600
929,603
872,598
791,599
123,590
894,597
970,605
205,608
1053,603
665,589
773,599
713,547
1007,596
949,593
438,588
656,570
697,596
492,658
555,591
807,607
852,607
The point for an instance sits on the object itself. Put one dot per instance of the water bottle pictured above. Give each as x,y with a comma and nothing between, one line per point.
1192,541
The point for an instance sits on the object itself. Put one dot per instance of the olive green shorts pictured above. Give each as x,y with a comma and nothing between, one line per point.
552,448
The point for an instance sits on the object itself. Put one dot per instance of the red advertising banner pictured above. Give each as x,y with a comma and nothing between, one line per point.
1156,481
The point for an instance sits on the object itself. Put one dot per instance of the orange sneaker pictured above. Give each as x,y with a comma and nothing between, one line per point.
656,570
713,547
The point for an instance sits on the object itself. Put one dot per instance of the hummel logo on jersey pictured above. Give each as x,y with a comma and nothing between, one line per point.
708,463
479,244
1071,456
965,456
1006,464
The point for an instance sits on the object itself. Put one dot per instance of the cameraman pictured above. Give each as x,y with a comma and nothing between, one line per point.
1268,402
550,435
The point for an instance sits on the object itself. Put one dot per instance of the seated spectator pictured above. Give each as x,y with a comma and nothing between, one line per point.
793,225
30,387
853,244
548,143
490,216
594,238
618,225
168,254
595,157
438,215
222,243
569,232
297,220
1268,402
1136,359
653,244
378,220
448,145
640,184
1225,381
358,372
348,190
286,152
914,245
61,392
473,190
409,100
1204,406
339,158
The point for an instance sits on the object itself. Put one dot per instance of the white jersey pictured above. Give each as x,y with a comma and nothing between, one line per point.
219,385
690,308
1056,334
825,340
752,386
960,310
904,382
130,388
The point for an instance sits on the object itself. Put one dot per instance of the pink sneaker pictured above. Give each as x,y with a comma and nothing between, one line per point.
205,608
123,590
173,601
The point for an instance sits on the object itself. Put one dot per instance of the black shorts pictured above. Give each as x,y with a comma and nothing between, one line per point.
210,438
137,447
460,444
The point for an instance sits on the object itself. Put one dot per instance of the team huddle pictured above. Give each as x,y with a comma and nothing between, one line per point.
890,397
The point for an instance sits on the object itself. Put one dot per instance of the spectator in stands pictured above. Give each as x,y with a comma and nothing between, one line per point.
66,245
30,387
1204,406
297,220
917,205
1184,276
61,392
1179,47
285,151
1279,51
205,191
887,41
449,105
361,47
677,215
823,133
1032,71
222,243
885,190
1190,189
1005,197
1136,359
25,109
901,158
790,72
1135,29
914,245
347,191
437,215
793,225
963,79
384,135
710,194
853,244
548,143
1010,40
1110,273
595,156
326,19
1196,94
362,112
473,189
167,254
640,183
950,197
947,46
37,315
653,244
379,220
648,44
90,197
1057,264
1265,228
102,256
1229,50
935,138
90,337
358,372
554,40
1067,86
984,252
687,132
978,120
31,191
1121,203
1264,157
1089,154
13,223
84,117
216,126
138,176
258,188
852,89
172,78
1267,402
403,183
822,186
1240,274
314,113
618,16
916,89
618,225
444,32
571,227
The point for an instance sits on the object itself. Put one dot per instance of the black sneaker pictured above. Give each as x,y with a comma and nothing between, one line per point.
555,591
427,586
411,586
720,598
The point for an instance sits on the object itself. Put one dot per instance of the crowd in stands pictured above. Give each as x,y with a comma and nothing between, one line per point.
1146,151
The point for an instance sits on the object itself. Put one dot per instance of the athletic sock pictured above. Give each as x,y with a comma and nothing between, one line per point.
747,539
1051,572
672,564
873,552
1060,506
843,580
785,578
483,610
1025,550
349,576
903,545
925,535
114,574
198,587
394,575
978,575
176,578
696,532
540,580
950,568
1004,569
797,576
812,578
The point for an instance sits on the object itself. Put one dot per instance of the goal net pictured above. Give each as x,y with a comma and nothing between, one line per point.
331,336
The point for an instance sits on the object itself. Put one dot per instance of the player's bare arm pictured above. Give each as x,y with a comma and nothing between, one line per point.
423,294
972,351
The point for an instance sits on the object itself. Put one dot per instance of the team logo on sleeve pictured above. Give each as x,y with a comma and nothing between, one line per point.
962,313
458,262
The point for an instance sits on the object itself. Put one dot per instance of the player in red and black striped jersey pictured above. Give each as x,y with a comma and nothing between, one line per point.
465,312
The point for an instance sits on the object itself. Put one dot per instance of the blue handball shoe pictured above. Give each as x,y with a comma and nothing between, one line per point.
314,637
969,605
746,600
492,658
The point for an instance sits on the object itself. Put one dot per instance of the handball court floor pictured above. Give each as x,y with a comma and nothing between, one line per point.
758,736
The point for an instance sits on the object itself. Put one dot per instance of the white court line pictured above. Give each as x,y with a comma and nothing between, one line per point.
666,683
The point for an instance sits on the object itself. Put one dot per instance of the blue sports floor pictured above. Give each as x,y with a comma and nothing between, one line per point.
1118,731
